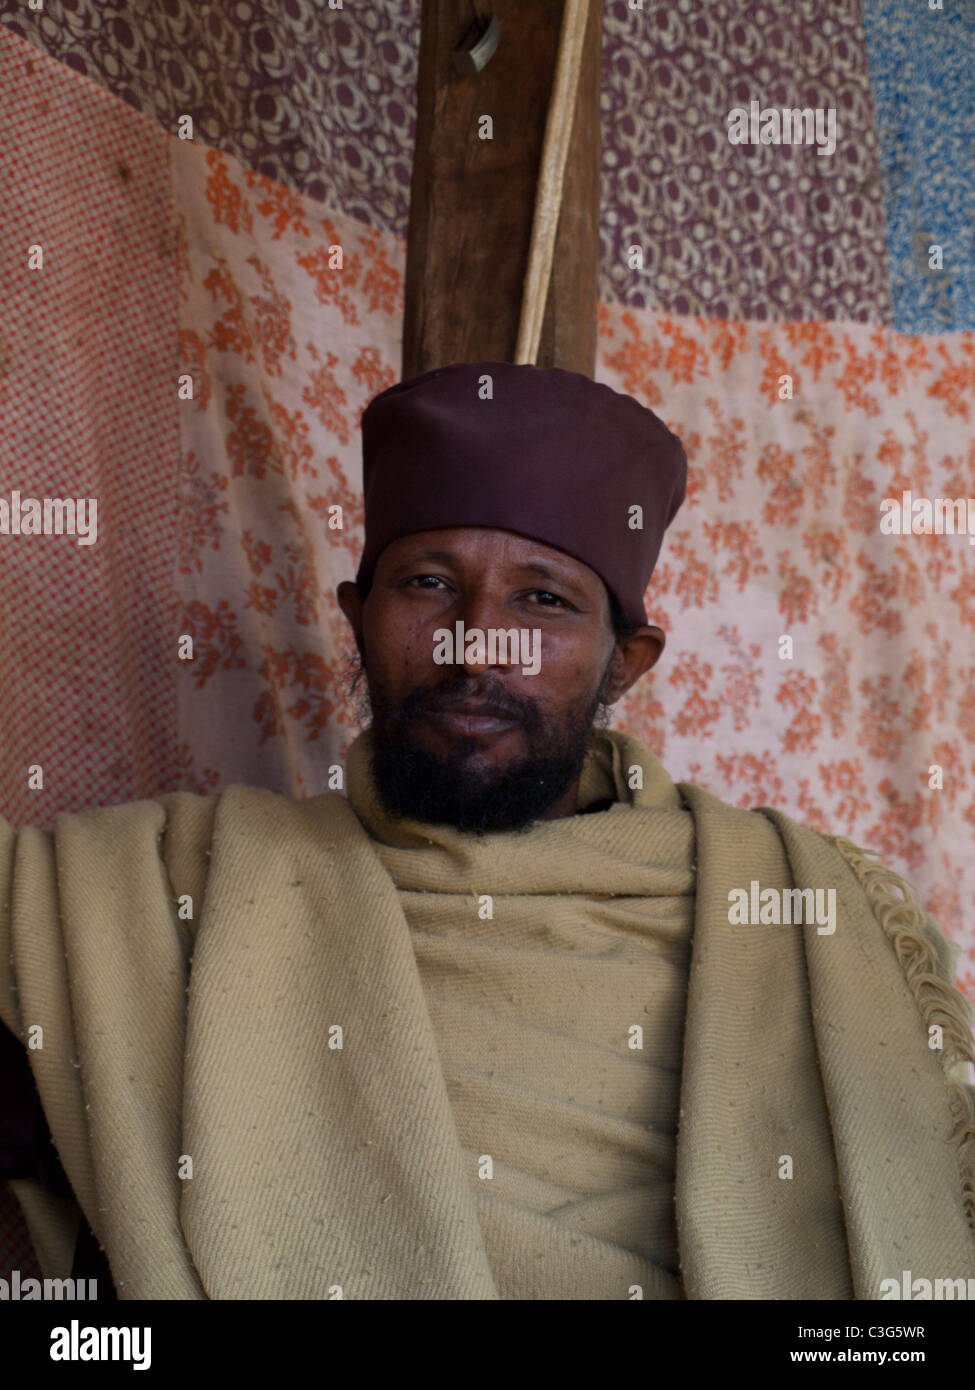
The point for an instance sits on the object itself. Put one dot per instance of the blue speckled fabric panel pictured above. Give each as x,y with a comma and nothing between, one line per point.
922,64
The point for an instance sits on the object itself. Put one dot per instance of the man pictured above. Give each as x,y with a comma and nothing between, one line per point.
520,1017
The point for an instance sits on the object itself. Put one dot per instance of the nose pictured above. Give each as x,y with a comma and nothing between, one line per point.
496,646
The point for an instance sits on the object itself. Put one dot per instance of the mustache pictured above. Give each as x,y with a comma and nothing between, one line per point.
489,695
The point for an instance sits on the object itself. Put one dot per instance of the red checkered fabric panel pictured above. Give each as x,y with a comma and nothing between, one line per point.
88,366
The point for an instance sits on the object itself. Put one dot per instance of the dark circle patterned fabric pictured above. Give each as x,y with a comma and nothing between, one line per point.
323,100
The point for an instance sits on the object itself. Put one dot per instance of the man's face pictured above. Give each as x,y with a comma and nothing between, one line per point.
479,743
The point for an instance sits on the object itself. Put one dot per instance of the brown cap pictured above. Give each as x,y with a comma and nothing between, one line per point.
551,455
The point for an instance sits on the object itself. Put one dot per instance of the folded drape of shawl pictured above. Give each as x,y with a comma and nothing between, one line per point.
318,1168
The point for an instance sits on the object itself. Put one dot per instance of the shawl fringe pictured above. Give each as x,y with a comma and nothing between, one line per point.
940,1003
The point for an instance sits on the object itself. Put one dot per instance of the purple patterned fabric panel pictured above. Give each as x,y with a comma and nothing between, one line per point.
323,100
740,231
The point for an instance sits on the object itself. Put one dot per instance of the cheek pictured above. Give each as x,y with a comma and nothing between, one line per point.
399,650
568,673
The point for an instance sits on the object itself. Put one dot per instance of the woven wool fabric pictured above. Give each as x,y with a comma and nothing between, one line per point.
533,1010
316,1166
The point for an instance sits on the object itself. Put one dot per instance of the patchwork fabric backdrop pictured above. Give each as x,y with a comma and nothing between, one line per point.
210,257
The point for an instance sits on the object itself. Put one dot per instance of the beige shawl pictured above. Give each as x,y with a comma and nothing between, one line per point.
323,1170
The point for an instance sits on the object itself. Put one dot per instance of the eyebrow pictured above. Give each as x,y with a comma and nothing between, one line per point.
536,567
440,557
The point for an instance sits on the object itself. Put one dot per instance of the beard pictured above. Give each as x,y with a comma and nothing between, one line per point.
458,789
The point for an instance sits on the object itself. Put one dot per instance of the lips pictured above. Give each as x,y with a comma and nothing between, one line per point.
471,717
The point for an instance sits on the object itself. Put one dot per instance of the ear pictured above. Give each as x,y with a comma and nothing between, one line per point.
634,657
351,605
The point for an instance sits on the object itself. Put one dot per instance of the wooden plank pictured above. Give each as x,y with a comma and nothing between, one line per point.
472,200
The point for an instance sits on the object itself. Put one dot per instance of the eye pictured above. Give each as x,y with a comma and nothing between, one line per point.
419,580
547,594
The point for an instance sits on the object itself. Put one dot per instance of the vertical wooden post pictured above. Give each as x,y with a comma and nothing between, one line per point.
472,199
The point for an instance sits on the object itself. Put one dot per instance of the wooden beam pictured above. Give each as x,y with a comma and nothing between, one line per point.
472,200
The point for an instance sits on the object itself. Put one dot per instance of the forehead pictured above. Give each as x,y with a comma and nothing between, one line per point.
487,548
